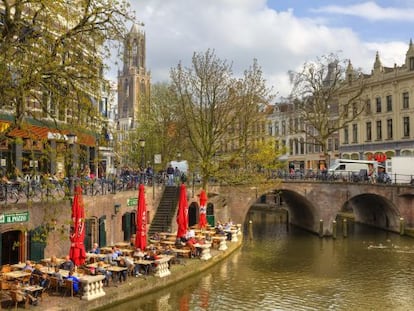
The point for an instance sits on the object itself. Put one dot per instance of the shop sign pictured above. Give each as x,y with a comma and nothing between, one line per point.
132,202
14,217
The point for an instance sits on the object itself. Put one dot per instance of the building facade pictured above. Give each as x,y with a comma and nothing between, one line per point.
386,126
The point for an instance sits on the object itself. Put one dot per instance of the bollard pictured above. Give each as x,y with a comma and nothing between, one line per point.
321,228
345,227
250,230
402,226
334,229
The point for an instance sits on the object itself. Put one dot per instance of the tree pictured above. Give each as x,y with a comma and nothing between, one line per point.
211,102
51,56
315,95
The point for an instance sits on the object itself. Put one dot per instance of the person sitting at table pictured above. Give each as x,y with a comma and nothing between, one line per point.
123,274
227,230
53,262
95,249
36,274
117,250
67,264
75,281
44,282
101,270
110,258
22,295
190,244
58,275
28,266
138,253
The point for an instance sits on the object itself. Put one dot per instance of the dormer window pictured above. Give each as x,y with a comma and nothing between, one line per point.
411,63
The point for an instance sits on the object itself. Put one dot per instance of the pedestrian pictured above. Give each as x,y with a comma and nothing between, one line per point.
170,174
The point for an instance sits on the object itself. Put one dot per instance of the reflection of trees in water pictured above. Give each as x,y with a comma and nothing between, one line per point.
266,223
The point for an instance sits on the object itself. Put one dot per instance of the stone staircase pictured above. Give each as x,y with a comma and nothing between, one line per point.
166,211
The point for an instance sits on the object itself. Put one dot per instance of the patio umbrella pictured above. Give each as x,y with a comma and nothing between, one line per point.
202,220
182,214
141,220
77,234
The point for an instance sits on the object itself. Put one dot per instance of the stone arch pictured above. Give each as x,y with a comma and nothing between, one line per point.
374,210
302,212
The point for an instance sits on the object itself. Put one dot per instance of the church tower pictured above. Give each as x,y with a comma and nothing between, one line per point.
133,80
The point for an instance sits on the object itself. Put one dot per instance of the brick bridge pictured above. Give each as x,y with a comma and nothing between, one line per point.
314,206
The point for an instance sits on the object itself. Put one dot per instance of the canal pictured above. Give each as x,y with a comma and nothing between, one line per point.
285,268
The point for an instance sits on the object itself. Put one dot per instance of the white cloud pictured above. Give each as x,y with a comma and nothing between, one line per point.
370,11
241,30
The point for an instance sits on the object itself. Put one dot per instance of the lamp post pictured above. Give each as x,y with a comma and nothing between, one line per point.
72,168
142,145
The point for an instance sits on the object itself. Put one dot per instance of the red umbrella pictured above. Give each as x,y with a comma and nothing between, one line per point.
182,214
202,221
141,220
77,249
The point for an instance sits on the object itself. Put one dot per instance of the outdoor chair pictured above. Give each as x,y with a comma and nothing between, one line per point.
55,285
68,286
17,298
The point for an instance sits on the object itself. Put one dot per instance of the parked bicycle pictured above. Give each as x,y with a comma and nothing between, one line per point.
8,194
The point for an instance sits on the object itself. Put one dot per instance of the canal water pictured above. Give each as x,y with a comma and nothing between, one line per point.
285,268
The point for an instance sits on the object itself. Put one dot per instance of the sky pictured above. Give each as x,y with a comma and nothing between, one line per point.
281,34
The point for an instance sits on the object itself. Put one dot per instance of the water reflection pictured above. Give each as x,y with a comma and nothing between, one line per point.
295,270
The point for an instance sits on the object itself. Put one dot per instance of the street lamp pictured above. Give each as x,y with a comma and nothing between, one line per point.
178,156
142,145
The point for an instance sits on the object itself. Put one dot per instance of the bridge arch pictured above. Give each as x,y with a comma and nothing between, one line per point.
374,210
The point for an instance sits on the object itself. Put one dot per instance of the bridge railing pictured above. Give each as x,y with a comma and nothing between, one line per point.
345,176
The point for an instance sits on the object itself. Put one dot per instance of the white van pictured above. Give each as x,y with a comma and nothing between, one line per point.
346,168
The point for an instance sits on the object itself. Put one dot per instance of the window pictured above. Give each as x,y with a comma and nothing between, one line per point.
389,129
354,133
406,100
389,103
379,130
378,104
346,109
369,131
411,63
276,128
406,126
346,135
368,106
354,110
283,127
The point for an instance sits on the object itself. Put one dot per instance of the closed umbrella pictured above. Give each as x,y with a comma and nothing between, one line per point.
202,220
141,220
182,214
77,235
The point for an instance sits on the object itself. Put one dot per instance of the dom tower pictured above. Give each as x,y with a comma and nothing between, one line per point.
133,84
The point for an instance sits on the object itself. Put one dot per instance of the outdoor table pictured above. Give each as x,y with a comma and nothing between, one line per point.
205,250
95,256
32,289
166,242
162,269
95,265
18,266
106,250
46,261
18,274
146,263
181,252
116,271
122,244
126,251
222,239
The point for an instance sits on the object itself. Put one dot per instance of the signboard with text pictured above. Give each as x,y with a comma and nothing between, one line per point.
14,218
132,202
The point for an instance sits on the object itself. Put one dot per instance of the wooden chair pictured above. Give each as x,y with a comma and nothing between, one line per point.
17,298
35,279
68,286
55,285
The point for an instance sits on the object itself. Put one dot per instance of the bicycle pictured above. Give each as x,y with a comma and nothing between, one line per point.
8,194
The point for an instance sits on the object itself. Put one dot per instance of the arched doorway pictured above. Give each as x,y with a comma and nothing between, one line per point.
193,210
11,250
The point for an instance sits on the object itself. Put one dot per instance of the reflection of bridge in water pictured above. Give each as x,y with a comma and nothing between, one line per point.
315,206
